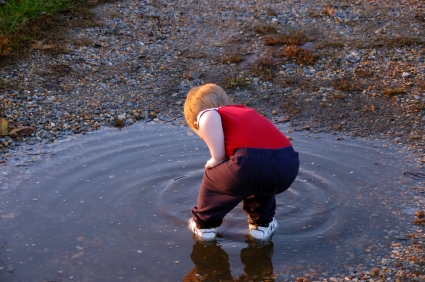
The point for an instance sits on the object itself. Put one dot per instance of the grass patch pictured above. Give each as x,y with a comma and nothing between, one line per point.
338,96
233,82
291,38
343,84
313,14
291,106
394,91
362,73
234,58
4,84
5,46
271,12
263,68
57,50
60,68
287,81
300,55
369,109
28,25
402,41
114,15
14,13
397,42
334,44
84,41
266,29
418,107
421,84
230,59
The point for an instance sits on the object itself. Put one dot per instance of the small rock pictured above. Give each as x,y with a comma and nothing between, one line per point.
53,86
308,46
195,74
307,127
415,137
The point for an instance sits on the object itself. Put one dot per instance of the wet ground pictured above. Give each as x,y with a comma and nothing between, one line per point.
113,205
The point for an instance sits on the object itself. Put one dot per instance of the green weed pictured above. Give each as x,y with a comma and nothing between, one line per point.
118,123
3,126
233,82
313,14
334,44
4,84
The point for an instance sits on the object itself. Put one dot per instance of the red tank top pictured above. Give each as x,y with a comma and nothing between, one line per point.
245,128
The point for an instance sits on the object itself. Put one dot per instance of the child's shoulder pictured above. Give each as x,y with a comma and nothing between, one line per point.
233,107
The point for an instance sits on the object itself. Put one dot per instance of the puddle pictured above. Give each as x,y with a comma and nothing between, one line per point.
114,205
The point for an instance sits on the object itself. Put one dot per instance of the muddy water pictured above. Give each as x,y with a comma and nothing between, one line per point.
114,205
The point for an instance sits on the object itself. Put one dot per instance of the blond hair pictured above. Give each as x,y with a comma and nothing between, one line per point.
203,97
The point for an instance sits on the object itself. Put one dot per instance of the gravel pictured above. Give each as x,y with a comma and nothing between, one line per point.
368,79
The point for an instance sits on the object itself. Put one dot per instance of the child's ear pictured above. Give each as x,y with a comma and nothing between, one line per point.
196,124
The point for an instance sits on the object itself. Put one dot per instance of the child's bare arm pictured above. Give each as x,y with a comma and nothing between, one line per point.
211,130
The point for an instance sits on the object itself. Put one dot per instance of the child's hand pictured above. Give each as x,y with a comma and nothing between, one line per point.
213,163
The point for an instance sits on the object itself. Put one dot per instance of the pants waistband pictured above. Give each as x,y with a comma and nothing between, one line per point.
265,152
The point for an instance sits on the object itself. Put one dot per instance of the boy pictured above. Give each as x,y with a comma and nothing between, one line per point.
251,161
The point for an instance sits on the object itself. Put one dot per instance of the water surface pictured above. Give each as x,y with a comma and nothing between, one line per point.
113,205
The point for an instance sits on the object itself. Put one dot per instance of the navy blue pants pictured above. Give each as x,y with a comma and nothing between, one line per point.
253,176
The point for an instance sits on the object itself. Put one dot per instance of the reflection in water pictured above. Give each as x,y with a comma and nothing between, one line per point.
212,262
257,261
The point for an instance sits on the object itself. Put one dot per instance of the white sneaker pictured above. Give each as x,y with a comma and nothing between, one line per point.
262,232
203,234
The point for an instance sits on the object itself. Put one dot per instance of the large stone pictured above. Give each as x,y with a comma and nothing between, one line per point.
21,131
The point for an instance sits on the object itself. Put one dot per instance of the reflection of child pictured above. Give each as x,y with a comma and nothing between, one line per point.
251,161
212,263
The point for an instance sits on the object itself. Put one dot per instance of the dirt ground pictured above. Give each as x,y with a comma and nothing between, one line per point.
354,68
